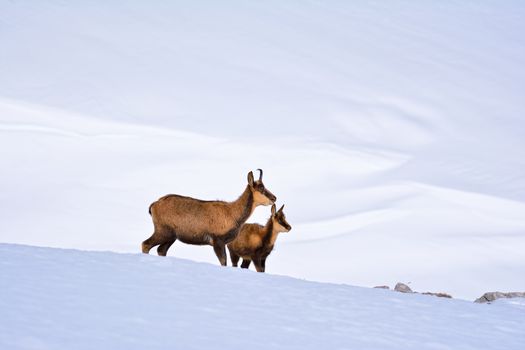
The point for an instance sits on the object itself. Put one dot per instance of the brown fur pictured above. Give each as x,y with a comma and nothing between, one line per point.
199,222
255,242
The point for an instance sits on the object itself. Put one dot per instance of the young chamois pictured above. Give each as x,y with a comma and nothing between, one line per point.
255,242
199,222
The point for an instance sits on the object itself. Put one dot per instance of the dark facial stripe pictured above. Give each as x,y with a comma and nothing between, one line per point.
269,195
284,224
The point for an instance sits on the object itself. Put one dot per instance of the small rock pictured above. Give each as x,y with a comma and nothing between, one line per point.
439,295
491,296
403,288
382,287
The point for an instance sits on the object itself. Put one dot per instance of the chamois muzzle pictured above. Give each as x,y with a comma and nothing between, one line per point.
270,196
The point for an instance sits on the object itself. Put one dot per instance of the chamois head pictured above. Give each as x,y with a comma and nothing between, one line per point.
261,196
279,220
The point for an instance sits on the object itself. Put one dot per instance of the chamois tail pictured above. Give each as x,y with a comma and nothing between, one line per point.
149,209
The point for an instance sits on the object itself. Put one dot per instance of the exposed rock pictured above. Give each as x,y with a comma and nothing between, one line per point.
382,287
403,288
439,295
491,296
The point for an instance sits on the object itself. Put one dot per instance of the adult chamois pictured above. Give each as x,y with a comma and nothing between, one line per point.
199,222
255,242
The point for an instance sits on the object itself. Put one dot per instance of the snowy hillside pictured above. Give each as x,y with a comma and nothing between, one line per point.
392,131
64,299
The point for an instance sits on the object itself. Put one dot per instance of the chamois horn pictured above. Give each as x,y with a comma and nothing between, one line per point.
261,174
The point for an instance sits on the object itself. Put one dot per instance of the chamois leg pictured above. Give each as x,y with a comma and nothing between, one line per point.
220,250
154,240
258,264
160,235
162,250
263,264
234,258
245,263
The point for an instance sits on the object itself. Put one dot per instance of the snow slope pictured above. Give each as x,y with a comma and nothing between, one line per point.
63,299
392,131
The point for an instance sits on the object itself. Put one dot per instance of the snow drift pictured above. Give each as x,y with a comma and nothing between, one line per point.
64,299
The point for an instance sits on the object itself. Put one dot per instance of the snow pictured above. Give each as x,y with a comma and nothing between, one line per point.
63,299
392,132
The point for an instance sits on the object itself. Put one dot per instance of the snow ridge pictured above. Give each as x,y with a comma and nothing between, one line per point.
64,299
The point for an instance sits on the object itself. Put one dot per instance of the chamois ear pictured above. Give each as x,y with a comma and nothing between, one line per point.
250,178
273,209
281,209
